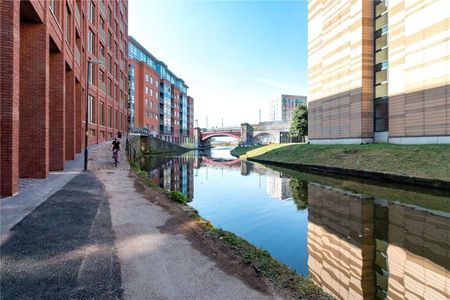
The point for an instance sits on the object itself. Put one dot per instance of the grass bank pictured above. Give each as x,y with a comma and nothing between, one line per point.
422,161
238,151
260,260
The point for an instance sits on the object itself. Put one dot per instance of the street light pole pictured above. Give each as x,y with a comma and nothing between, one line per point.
89,63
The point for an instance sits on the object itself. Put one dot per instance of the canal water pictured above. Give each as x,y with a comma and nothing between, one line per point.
355,238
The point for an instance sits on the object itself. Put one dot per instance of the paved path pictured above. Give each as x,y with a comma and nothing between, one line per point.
33,192
64,249
158,265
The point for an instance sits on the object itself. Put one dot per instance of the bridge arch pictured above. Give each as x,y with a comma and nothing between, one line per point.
219,134
265,138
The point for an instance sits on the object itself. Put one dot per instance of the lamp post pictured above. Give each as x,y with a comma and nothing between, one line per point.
90,63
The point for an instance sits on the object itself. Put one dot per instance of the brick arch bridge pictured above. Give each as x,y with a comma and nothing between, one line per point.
274,132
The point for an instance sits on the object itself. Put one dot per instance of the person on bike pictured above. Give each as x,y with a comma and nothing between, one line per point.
115,148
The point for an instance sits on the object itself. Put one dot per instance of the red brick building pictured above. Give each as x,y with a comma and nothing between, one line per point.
158,98
45,46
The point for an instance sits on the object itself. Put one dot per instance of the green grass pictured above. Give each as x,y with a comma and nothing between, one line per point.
424,161
280,274
238,151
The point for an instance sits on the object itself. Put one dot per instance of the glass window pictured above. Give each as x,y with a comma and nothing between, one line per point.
381,76
381,90
91,118
380,8
380,42
151,80
381,22
146,102
381,116
146,77
151,92
146,90
381,56
91,41
100,113
91,11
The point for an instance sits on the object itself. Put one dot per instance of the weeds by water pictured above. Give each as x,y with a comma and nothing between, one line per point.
281,275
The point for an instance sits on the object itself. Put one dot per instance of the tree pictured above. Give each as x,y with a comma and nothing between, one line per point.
299,124
299,192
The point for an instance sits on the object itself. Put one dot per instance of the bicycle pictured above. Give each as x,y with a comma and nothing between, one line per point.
116,157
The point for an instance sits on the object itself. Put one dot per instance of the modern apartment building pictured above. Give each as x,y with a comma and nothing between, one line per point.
158,98
45,47
283,109
378,71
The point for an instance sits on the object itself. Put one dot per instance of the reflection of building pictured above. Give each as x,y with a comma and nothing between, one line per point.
365,248
158,98
283,109
176,175
378,71
45,47
277,186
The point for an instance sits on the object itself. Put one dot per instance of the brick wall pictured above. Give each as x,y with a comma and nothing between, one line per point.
9,93
44,53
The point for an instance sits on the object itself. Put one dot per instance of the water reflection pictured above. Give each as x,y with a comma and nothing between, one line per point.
355,239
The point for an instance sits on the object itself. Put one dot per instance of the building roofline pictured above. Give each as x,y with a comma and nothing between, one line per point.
293,95
157,61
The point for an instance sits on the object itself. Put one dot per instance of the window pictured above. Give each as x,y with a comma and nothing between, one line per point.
156,95
109,116
115,119
101,76
146,77
146,113
146,90
91,11
100,113
52,6
151,104
151,80
156,82
380,76
91,42
91,73
381,116
381,22
151,92
146,102
91,109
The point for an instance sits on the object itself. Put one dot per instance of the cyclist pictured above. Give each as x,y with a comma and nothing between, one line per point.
115,148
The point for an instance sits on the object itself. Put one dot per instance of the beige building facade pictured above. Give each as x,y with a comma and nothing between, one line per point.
379,71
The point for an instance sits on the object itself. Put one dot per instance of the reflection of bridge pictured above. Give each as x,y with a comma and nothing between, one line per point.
227,163
263,132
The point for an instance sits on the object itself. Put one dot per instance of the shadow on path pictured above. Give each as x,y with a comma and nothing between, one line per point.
64,248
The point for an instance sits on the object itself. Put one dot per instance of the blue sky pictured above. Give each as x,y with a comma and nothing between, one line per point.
234,56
